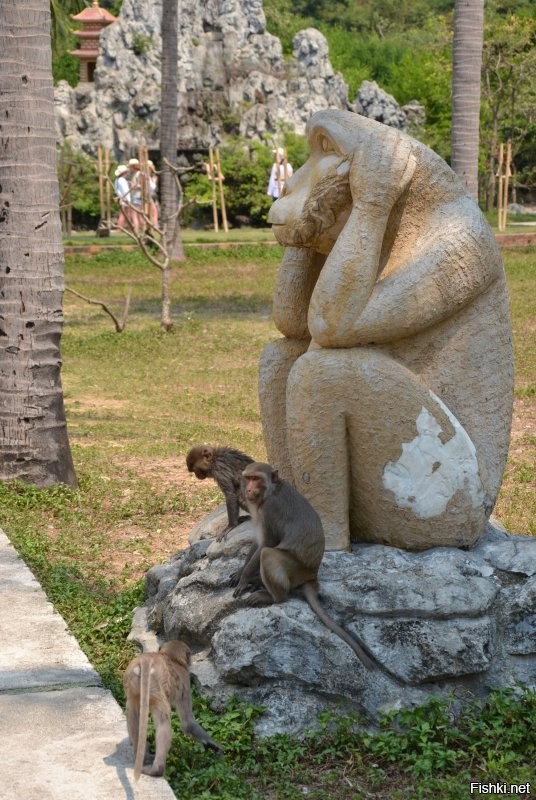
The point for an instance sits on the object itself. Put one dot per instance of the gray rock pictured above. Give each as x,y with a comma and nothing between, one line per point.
229,65
210,526
436,622
373,102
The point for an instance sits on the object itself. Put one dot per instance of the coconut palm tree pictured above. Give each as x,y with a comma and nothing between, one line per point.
33,436
466,66
168,131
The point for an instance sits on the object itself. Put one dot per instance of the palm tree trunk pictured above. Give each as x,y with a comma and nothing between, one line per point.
466,66
168,131
33,437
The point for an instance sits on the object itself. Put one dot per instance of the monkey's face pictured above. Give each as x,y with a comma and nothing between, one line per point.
199,461
202,468
316,201
254,488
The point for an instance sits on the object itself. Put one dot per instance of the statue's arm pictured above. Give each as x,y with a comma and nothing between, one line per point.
381,170
430,286
295,283
347,281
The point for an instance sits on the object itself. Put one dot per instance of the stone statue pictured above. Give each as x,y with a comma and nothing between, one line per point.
388,401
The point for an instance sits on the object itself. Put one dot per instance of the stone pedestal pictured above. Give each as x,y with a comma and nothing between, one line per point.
442,622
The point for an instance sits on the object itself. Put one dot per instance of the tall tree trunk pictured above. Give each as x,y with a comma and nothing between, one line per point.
466,66
168,131
33,435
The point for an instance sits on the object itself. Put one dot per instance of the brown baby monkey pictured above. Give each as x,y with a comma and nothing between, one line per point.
289,550
225,466
156,682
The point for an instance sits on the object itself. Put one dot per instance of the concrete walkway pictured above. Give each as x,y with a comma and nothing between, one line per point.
63,735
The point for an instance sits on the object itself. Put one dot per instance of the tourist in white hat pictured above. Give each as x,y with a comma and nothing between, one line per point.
122,189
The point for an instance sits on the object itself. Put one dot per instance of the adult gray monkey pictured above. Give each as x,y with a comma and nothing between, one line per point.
388,403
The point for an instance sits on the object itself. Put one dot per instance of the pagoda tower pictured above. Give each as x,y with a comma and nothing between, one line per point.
94,19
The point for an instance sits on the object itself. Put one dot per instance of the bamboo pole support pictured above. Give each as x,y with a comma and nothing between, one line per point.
507,175
108,199
213,182
278,171
222,197
101,181
145,183
67,200
500,194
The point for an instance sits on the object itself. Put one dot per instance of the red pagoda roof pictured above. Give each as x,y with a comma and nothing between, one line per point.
94,14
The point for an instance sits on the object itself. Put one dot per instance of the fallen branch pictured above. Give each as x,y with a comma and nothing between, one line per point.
120,324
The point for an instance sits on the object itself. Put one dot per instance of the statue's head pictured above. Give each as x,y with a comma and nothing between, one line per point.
354,162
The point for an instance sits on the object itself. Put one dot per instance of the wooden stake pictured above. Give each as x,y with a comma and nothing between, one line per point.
500,197
507,175
222,198
101,181
145,183
108,199
213,181
278,170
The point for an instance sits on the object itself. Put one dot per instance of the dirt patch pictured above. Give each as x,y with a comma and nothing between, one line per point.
162,473
136,550
90,402
523,426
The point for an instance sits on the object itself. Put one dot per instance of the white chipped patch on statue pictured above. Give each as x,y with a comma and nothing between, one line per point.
429,472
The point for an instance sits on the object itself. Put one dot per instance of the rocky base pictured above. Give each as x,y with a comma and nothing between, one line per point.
440,622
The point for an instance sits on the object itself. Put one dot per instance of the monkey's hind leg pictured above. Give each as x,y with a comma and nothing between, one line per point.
280,572
260,598
190,726
133,723
162,724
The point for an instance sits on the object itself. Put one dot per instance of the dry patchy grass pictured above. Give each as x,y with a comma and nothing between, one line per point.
137,401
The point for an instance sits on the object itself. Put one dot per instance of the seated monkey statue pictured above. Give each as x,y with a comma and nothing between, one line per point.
388,402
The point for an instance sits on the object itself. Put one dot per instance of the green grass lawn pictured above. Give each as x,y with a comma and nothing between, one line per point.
257,235
136,402
189,236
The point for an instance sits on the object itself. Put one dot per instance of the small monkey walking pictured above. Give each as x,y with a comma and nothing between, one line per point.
289,550
156,682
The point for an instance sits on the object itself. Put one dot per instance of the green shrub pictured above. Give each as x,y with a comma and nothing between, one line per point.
246,168
141,43
79,169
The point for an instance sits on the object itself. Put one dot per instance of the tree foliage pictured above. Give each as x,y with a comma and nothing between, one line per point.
509,96
406,46
78,170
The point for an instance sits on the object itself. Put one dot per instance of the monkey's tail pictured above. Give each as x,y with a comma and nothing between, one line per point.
311,596
145,679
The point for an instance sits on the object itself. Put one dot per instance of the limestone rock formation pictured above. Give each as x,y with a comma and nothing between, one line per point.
232,75
374,103
438,622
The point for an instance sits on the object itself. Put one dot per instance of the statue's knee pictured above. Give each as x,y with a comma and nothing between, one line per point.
316,370
281,354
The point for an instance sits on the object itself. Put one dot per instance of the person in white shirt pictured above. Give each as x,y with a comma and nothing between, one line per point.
122,189
281,172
